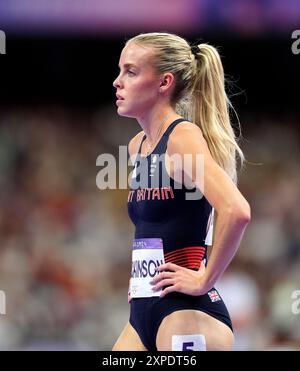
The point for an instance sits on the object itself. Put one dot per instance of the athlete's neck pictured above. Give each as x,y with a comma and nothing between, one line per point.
153,122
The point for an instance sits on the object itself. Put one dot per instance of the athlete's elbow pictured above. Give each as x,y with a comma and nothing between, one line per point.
245,215
241,213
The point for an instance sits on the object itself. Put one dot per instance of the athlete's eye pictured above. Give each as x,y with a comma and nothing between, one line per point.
130,73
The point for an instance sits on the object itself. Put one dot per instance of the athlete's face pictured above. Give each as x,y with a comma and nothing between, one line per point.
137,84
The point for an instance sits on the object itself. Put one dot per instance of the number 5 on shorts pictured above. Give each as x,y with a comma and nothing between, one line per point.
188,343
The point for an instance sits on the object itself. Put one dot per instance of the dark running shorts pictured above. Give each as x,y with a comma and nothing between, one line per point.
146,314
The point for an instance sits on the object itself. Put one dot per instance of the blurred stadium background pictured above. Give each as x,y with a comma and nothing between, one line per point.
64,244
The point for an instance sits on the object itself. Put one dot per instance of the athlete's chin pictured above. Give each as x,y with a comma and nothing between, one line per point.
125,113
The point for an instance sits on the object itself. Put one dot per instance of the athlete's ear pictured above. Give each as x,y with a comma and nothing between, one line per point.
166,82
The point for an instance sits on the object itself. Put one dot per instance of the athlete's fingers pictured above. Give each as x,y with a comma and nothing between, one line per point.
169,267
162,276
167,290
165,282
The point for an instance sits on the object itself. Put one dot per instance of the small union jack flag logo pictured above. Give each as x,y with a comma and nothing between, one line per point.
214,296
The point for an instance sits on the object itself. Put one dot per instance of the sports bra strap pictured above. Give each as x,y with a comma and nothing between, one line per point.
165,134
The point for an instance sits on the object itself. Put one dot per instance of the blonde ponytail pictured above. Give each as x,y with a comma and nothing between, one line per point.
210,110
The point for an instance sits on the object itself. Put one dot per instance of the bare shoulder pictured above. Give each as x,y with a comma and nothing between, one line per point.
187,127
134,143
185,137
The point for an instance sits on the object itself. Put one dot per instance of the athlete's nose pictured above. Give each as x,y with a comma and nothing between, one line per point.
117,83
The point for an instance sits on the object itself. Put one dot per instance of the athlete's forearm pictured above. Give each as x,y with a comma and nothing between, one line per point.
229,230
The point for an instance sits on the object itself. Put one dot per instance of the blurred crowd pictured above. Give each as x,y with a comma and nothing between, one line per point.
65,245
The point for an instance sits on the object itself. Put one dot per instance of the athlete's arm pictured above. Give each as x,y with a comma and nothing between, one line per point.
233,213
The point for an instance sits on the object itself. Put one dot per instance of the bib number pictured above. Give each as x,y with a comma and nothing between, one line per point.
147,255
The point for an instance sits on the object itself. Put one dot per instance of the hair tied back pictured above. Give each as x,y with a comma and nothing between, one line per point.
195,50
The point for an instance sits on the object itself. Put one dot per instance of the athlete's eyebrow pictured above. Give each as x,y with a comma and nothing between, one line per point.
128,65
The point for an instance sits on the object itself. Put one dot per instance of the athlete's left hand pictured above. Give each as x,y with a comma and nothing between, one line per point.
180,279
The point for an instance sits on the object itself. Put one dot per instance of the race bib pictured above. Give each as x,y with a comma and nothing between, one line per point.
147,254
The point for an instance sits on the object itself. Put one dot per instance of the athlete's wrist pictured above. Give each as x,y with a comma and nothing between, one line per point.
204,285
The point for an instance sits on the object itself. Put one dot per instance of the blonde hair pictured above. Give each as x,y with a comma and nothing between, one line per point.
199,94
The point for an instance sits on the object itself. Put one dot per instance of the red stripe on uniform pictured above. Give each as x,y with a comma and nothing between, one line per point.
185,258
190,266
188,257
187,253
186,250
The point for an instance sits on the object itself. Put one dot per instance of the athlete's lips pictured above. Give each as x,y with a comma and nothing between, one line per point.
119,97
